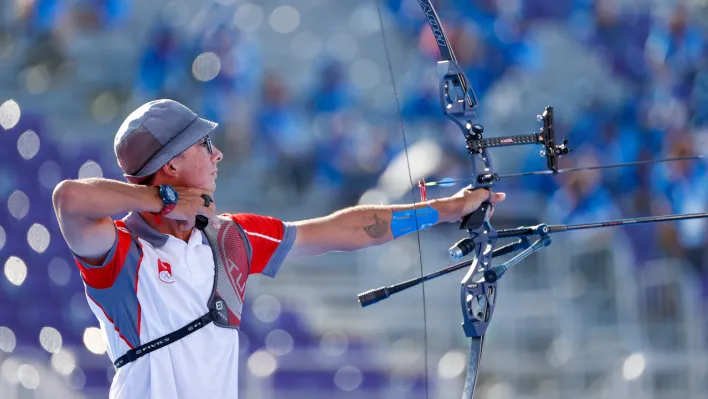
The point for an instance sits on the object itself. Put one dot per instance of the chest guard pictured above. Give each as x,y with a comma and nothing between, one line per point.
232,263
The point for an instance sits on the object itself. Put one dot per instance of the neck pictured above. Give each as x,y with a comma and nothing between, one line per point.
167,226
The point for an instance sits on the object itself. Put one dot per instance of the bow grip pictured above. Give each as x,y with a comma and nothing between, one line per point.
475,219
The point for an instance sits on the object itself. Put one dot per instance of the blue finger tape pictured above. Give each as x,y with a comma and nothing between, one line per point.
404,222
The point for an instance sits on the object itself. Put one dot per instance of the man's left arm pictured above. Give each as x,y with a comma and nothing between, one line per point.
364,226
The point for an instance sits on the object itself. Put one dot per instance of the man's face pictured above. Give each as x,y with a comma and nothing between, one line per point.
196,166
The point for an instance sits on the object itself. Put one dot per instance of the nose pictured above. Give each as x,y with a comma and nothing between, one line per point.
217,156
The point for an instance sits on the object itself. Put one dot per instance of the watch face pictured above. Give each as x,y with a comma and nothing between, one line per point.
169,193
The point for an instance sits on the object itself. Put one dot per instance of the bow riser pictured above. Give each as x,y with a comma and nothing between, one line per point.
478,296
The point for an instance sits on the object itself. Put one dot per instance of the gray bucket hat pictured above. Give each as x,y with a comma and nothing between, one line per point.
155,133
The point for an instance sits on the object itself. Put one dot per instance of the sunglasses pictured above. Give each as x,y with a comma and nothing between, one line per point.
207,143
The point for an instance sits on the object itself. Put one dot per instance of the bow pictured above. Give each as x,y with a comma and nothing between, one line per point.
478,289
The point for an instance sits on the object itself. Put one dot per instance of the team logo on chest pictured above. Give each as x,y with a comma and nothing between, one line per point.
164,272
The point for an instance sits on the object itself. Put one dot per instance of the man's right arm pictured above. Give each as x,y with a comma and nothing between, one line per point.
83,208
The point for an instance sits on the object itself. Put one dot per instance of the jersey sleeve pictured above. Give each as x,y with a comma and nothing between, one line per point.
270,239
125,249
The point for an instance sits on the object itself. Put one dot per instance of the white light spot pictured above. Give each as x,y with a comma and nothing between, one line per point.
105,108
90,169
28,144
59,271
248,17
365,74
49,174
28,376
334,343
93,340
633,366
2,237
206,66
64,362
284,19
342,47
36,79
7,340
262,363
50,339
38,238
452,364
279,342
306,45
348,378
8,370
15,270
266,308
225,2
18,204
9,114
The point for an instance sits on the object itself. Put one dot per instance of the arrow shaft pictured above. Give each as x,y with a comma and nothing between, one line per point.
559,228
623,222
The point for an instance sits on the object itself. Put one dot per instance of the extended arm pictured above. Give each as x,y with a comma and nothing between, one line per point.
364,226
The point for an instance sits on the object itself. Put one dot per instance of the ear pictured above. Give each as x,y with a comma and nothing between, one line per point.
171,168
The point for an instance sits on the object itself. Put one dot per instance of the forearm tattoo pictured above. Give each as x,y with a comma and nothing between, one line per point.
378,229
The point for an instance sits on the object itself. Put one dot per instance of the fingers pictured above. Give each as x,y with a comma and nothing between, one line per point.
496,198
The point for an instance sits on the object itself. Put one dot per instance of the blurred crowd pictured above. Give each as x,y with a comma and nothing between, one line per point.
325,137
332,130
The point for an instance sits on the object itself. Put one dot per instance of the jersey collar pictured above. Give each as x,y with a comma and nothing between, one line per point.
138,226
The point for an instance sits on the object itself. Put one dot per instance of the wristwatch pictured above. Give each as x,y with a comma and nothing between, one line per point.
169,198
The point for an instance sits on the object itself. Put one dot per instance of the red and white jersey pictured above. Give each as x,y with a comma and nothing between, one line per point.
152,284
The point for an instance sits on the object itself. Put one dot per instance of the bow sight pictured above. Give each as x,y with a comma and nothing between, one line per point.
476,144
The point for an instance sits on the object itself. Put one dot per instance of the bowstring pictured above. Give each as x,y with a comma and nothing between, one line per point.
413,186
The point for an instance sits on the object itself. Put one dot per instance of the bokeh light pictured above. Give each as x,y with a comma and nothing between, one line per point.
8,341
248,17
633,366
284,19
267,308
9,114
262,363
38,238
18,204
93,340
279,342
348,378
50,339
28,144
206,66
15,270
